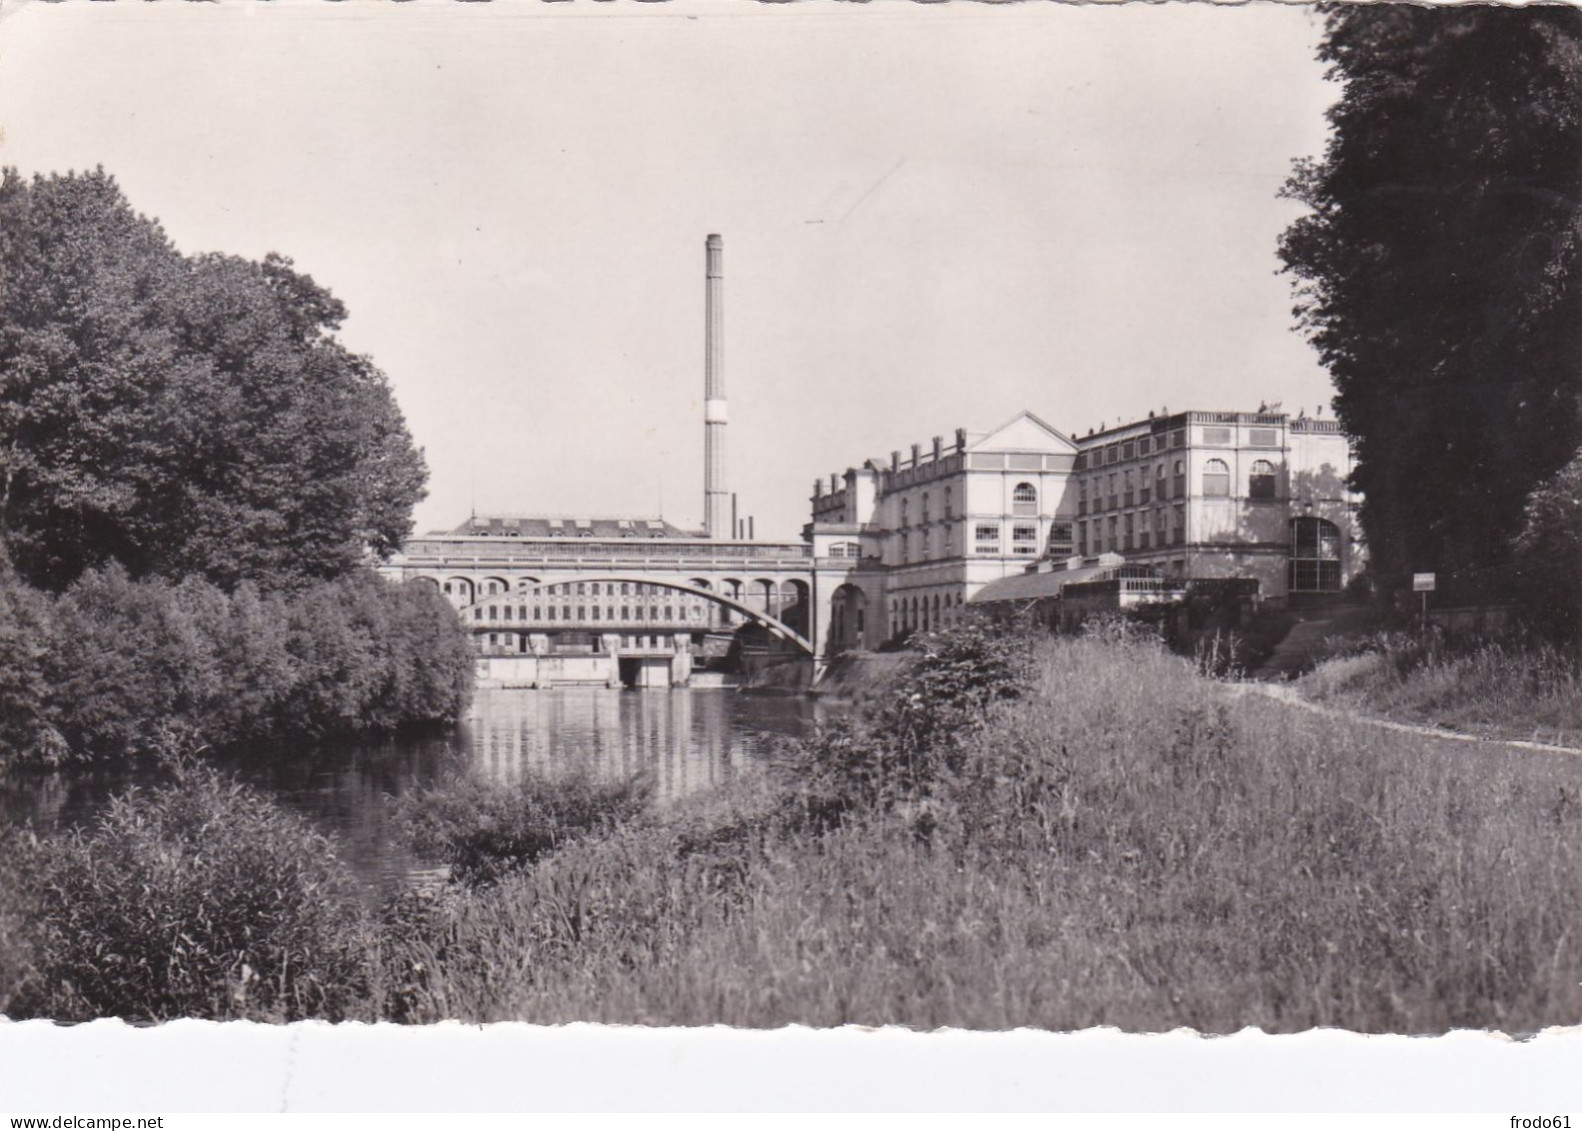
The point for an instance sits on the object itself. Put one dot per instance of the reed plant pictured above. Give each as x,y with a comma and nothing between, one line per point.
1089,833
201,898
1518,687
482,830
1123,842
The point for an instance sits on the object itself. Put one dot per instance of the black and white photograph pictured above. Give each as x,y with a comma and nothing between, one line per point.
950,516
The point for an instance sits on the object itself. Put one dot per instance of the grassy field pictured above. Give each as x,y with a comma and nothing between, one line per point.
1507,690
1056,833
1122,845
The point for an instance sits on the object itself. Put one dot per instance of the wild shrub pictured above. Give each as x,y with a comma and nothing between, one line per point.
900,750
1123,843
19,852
483,831
198,899
27,731
1517,686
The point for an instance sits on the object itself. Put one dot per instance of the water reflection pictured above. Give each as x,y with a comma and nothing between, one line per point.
689,740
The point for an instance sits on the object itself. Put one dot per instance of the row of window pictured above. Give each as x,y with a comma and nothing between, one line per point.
1024,538
553,613
553,533
1145,446
1126,489
492,588
576,641
921,613
1126,532
1024,504
986,540
1129,449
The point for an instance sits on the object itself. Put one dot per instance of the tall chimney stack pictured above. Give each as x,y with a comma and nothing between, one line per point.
717,517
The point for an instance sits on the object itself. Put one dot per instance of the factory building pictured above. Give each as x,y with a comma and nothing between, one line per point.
1192,495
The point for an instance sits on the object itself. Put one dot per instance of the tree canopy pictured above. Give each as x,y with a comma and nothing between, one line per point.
181,415
1437,272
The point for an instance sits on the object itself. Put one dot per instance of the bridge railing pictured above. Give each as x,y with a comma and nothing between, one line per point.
578,553
587,624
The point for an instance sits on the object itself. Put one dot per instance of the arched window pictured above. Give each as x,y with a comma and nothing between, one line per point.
1216,479
1315,556
903,514
947,502
925,508
1024,501
1261,482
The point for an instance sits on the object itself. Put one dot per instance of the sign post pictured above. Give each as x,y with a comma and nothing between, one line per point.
1423,583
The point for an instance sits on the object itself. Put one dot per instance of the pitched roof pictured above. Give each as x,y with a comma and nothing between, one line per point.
1024,432
568,526
1048,583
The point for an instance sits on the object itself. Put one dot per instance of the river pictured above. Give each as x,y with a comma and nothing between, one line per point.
689,739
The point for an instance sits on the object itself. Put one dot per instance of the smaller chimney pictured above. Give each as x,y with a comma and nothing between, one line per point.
939,447
917,454
834,483
818,488
895,461
750,534
961,439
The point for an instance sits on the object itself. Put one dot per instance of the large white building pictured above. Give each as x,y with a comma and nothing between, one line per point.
903,543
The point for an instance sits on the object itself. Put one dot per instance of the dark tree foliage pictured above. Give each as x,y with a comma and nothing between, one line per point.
26,635
1437,272
1549,555
181,415
153,667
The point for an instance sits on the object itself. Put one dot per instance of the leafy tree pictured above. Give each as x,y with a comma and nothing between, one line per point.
26,634
1437,271
131,667
181,415
1550,554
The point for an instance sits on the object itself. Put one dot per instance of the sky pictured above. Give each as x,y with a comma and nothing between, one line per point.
934,216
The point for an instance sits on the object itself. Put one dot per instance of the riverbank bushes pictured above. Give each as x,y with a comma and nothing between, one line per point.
1514,688
198,899
482,831
116,668
1097,835
1122,843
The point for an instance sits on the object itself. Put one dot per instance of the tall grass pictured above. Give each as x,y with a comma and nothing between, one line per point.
1513,689
1061,833
1125,843
482,831
198,899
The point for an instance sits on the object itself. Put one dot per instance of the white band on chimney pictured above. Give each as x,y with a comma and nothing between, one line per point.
714,412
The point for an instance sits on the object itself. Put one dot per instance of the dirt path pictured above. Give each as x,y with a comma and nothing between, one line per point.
1288,694
1294,654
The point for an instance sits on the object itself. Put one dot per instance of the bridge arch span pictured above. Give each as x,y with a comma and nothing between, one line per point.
759,616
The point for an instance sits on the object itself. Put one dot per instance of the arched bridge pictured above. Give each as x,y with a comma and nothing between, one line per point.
629,585
623,603
639,587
